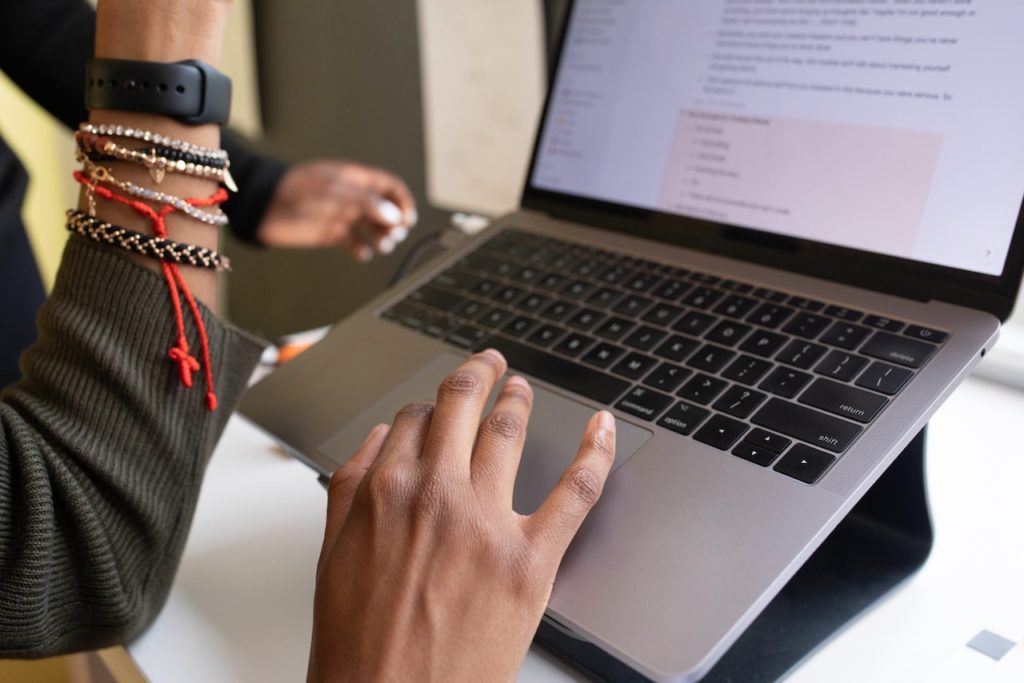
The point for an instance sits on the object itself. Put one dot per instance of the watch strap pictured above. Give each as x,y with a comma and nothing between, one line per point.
190,91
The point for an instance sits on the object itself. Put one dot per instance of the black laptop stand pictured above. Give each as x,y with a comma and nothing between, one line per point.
885,538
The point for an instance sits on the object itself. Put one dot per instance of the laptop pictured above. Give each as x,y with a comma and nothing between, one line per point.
771,238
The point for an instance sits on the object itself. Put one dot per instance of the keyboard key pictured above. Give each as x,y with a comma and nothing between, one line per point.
755,454
925,334
771,295
546,335
408,315
738,287
702,297
466,336
614,274
844,313
694,323
663,314
671,290
633,305
785,382
841,365
614,328
805,463
727,333
768,441
667,377
683,418
519,326
577,289
807,325
711,358
702,389
603,355
806,424
604,297
533,303
455,278
887,324
436,297
705,279
508,295
495,317
805,304
845,335
439,326
885,378
801,354
641,281
736,306
644,403
747,369
589,267
559,310
677,348
721,432
551,282
486,287
843,400
635,366
585,318
561,372
573,345
770,315
644,338
470,309
739,401
898,349
763,343
526,275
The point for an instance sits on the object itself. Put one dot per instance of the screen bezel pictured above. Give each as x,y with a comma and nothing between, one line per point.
889,274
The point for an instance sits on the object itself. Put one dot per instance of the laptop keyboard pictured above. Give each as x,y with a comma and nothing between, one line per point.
780,380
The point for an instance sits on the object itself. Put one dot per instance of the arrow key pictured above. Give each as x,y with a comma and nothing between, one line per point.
805,463
755,454
721,432
767,441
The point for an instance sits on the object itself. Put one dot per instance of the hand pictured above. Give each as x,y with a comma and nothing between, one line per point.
338,204
426,572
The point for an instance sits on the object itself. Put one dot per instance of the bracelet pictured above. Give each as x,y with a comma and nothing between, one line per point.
99,148
188,157
110,129
102,174
145,245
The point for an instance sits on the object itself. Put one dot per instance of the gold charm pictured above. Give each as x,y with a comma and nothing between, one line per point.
157,174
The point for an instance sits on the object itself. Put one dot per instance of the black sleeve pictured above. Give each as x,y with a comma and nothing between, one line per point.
44,46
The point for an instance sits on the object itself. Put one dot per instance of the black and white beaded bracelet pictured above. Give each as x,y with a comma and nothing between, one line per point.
151,246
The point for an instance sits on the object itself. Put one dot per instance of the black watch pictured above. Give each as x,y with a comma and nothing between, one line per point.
191,91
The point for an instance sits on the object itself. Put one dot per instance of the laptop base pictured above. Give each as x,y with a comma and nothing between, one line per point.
885,538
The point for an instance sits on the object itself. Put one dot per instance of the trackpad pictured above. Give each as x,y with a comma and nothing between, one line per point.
553,436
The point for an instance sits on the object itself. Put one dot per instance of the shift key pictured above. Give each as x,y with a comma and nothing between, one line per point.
810,426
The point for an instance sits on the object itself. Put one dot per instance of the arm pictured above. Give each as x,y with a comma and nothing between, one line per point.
101,450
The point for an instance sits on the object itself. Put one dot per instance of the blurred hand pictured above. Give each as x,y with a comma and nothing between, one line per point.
426,572
339,204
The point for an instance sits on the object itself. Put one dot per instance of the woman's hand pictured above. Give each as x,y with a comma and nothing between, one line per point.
426,571
339,204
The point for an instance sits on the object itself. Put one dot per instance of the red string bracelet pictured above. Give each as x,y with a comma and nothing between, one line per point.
180,353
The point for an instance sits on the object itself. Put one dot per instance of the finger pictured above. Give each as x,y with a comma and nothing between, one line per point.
407,436
346,479
460,402
394,188
359,243
383,220
559,517
499,442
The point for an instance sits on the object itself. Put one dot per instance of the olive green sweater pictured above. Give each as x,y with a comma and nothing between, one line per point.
102,453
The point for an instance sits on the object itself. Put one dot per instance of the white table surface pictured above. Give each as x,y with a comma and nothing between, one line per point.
241,606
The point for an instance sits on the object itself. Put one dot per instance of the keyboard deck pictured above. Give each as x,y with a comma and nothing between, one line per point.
778,379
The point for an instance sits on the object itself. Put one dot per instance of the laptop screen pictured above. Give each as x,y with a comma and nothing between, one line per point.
890,127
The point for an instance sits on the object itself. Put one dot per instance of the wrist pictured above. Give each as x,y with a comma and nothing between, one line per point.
161,30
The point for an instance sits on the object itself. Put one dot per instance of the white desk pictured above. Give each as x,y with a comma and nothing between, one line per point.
241,606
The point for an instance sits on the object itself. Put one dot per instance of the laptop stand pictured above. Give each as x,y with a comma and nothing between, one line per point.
885,538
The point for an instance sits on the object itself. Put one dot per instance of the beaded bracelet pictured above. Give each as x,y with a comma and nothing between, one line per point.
145,245
149,136
102,174
98,148
188,157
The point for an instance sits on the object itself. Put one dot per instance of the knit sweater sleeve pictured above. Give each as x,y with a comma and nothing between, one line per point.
102,453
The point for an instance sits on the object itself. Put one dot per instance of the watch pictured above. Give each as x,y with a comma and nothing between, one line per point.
190,91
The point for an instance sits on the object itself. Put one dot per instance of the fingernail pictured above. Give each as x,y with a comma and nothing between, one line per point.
389,211
606,420
386,245
364,254
517,381
412,218
494,353
399,234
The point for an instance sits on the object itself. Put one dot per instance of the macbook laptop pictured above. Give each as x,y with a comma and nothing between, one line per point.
770,237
